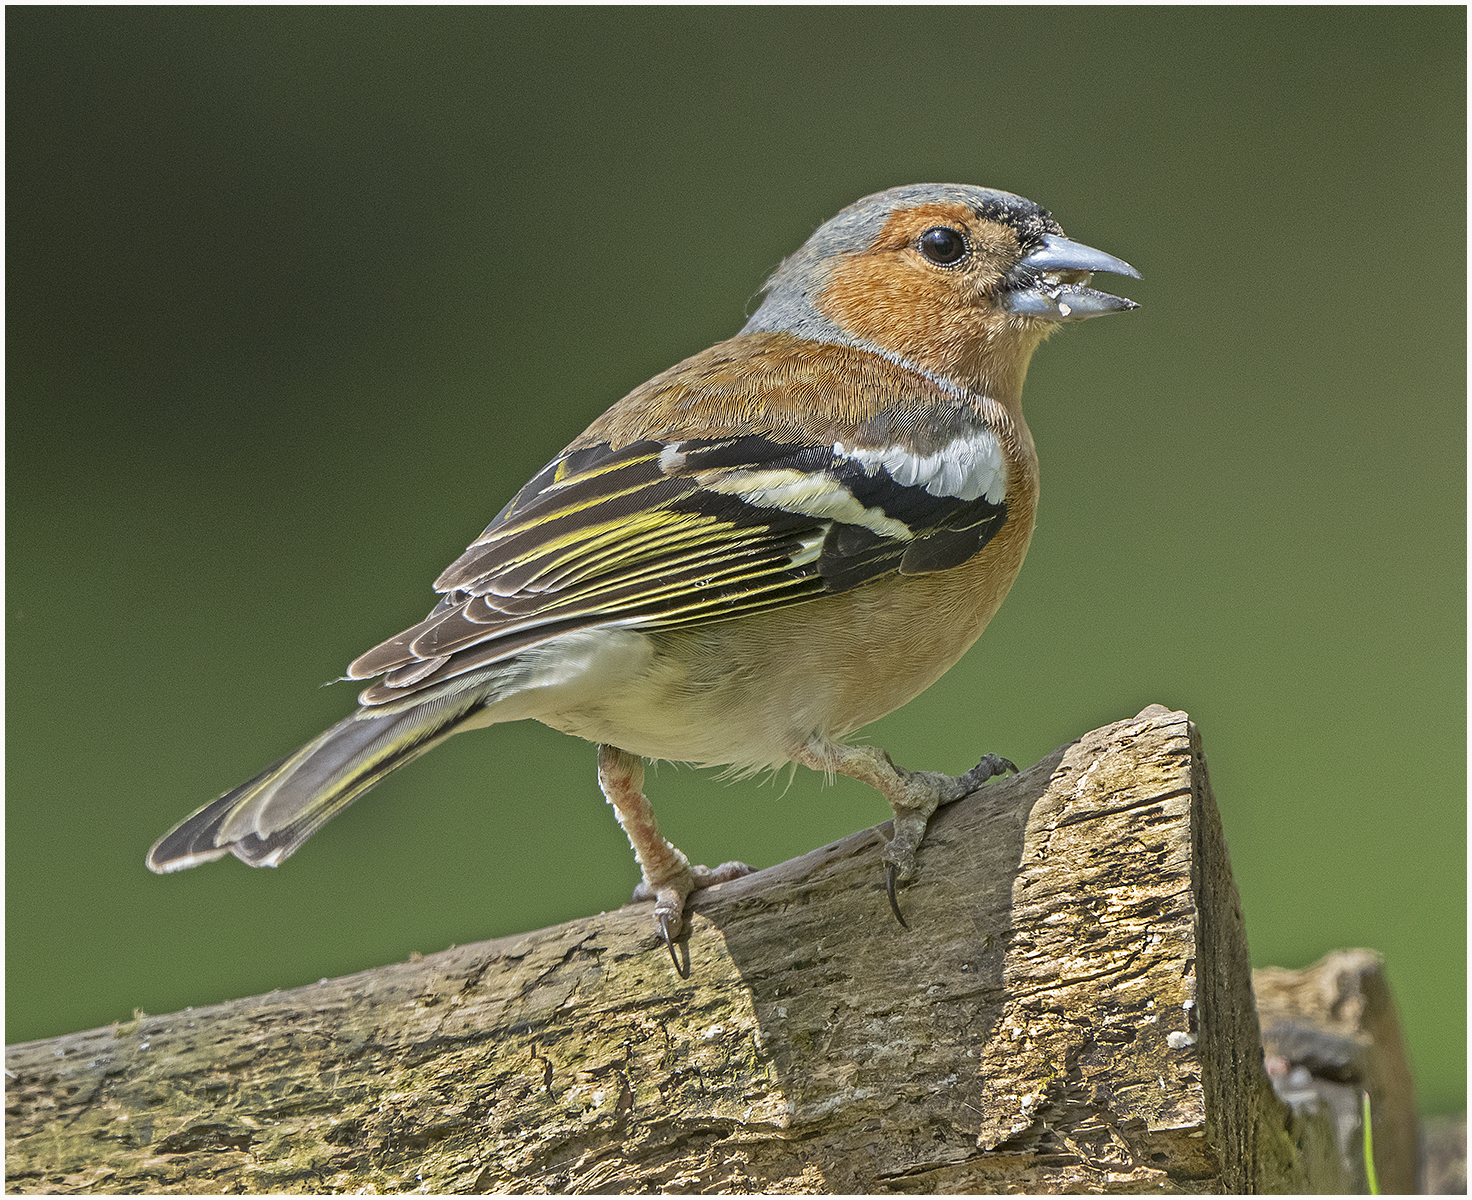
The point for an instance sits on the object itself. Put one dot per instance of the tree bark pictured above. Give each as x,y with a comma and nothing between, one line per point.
1070,1010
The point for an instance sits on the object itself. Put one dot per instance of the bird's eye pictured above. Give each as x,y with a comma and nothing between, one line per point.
942,245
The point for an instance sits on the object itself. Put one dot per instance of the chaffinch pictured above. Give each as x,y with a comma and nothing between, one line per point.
748,558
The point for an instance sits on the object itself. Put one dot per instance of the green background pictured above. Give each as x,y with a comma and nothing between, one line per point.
298,297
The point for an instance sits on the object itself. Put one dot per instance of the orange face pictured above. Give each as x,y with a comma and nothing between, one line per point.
944,316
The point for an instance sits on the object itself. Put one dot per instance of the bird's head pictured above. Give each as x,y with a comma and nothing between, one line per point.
961,281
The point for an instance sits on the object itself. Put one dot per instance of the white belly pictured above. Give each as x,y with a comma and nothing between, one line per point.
748,692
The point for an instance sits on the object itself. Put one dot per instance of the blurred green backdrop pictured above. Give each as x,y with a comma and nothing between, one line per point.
298,297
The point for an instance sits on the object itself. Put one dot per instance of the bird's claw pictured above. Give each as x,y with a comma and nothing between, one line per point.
670,925
990,766
891,872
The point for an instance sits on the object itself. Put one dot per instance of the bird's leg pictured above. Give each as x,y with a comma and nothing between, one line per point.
668,876
914,795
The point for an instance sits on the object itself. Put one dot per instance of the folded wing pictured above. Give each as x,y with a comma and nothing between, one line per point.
654,535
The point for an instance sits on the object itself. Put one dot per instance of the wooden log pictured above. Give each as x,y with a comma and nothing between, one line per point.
1070,1010
1332,1039
1443,1157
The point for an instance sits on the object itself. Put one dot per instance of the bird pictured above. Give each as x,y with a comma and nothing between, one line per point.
747,559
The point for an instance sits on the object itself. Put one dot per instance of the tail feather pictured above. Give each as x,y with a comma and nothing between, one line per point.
263,821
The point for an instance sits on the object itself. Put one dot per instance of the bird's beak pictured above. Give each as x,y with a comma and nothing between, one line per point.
1048,283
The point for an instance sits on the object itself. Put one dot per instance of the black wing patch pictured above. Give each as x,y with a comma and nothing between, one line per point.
946,531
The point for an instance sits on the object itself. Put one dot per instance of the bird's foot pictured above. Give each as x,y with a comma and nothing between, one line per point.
669,898
668,876
914,802
914,796
700,877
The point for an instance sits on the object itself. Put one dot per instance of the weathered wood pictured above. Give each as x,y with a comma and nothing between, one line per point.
1331,1036
1070,1011
1443,1167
